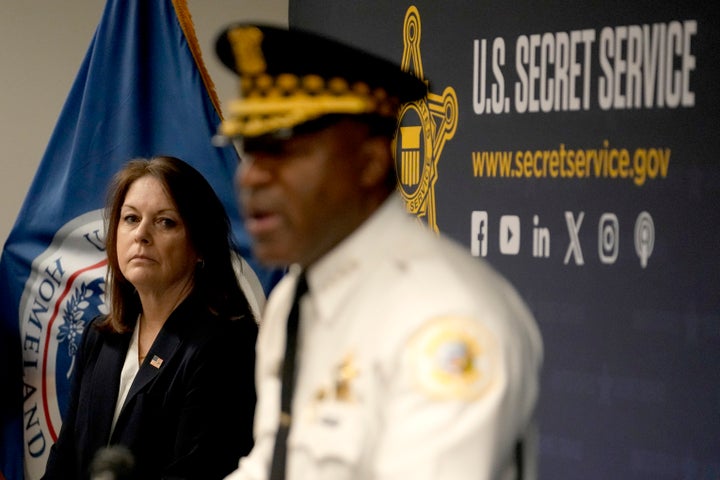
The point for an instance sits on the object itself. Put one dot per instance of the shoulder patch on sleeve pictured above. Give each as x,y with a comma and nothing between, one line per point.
453,358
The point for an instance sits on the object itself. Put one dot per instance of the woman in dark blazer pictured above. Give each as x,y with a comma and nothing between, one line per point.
168,373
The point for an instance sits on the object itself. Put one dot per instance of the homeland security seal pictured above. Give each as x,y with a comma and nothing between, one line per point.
64,291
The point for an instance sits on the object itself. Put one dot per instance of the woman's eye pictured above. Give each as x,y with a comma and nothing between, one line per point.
167,222
130,218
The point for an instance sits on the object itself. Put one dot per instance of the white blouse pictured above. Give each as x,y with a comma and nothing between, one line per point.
129,370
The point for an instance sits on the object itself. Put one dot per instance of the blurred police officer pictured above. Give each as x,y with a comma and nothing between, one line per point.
413,360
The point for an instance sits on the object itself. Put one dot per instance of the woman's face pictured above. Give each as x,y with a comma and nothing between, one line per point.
153,245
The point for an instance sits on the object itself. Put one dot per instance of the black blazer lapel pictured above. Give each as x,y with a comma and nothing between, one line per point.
165,347
106,385
162,350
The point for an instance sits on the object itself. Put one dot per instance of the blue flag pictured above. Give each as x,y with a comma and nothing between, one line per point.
142,90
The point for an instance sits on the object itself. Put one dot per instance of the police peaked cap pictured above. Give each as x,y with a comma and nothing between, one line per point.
290,76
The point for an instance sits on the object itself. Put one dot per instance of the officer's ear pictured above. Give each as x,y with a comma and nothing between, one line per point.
377,157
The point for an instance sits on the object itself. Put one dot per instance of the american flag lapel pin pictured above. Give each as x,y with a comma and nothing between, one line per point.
156,361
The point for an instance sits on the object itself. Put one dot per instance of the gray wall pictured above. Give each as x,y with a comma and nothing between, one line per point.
43,44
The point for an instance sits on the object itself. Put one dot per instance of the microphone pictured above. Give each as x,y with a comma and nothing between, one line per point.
114,462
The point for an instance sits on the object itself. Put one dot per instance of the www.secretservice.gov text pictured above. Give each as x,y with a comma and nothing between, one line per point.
638,165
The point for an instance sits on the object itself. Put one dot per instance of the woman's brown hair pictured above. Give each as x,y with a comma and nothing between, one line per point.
208,227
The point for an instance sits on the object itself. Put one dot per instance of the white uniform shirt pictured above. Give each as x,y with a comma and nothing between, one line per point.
415,361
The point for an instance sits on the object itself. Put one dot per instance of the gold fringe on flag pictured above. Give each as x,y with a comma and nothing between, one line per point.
186,23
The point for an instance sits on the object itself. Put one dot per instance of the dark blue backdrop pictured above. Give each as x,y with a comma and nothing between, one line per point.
606,216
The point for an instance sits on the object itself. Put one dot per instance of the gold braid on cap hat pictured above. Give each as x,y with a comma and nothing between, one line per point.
272,103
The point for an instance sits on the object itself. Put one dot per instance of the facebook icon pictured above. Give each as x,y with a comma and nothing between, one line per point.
478,233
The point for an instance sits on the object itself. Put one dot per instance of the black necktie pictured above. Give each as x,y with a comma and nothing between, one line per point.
277,470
